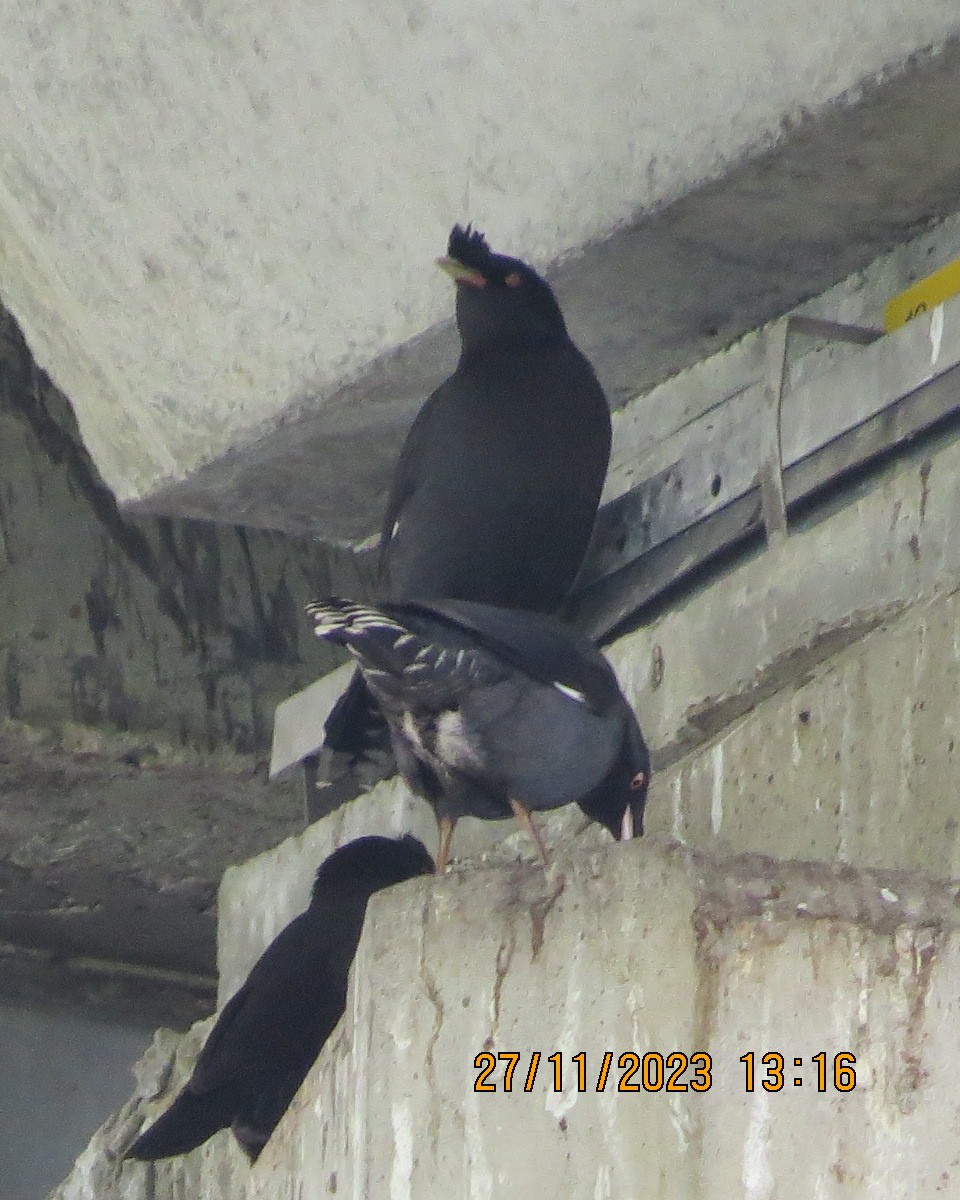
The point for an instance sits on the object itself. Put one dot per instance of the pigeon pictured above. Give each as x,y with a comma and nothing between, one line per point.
496,712
270,1032
497,486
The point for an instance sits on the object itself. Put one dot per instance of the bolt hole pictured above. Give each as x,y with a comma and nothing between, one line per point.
715,485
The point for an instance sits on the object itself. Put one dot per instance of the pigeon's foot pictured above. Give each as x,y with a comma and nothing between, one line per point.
526,820
446,826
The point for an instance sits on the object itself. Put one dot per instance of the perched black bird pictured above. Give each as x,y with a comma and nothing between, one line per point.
497,485
270,1032
496,711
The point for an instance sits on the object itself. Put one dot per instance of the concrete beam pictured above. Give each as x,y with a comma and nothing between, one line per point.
261,258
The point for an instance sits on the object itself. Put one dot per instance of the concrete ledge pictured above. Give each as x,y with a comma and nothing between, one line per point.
645,947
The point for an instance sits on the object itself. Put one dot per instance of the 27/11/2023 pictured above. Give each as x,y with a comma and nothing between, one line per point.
650,1072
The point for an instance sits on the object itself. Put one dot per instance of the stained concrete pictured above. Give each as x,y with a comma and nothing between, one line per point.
645,947
140,661
212,226
688,940
869,553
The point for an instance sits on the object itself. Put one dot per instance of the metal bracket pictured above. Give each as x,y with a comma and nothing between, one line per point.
773,506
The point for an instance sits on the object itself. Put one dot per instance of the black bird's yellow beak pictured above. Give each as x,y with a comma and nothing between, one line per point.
459,273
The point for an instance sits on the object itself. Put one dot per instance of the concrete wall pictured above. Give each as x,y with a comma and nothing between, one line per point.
645,947
186,631
140,661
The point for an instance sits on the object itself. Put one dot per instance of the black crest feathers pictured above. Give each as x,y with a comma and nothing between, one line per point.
469,247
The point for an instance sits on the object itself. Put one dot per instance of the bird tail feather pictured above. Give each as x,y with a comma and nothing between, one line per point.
188,1122
356,739
369,634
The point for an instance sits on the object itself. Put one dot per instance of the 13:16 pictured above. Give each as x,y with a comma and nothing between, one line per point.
844,1075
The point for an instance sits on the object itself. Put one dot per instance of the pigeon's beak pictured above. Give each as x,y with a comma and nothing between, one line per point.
461,274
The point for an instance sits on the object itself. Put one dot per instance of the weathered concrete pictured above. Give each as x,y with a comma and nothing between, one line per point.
652,947
776,614
645,947
861,764
182,630
190,288
140,660
648,434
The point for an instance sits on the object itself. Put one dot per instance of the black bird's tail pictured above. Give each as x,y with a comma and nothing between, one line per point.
188,1122
377,640
356,740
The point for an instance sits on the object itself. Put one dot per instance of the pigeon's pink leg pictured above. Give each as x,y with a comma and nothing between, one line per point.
446,826
523,816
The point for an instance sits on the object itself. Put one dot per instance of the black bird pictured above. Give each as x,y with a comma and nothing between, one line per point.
270,1032
497,485
496,711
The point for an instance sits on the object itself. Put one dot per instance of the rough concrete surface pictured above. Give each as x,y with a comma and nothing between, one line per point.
655,297
648,432
140,660
645,947
745,633
182,630
213,216
860,764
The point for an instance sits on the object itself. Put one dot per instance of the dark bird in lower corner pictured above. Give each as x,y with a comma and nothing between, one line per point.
270,1032
496,712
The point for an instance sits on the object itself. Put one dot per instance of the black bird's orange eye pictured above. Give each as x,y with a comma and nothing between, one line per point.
514,279
638,781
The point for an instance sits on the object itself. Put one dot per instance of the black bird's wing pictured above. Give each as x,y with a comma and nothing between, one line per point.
260,1048
406,475
533,643
288,1004
186,1124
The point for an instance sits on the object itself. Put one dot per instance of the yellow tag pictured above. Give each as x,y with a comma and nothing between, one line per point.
922,296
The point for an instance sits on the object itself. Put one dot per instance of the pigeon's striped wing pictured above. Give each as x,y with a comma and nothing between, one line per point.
539,646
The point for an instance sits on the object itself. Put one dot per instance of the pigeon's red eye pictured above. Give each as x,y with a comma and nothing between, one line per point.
639,781
514,279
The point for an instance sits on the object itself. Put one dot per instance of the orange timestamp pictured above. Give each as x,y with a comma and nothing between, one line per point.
838,1071
656,1072
632,1072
